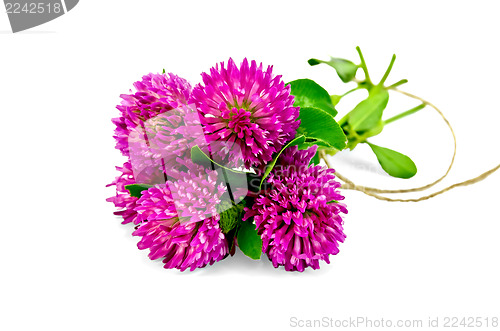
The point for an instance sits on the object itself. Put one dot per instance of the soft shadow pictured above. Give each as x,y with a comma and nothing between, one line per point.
239,264
356,162
27,32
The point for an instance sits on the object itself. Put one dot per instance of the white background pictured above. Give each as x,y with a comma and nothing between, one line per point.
68,264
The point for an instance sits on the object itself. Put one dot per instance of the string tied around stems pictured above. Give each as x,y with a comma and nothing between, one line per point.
376,192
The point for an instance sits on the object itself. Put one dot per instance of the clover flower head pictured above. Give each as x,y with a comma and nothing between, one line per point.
248,109
299,218
180,224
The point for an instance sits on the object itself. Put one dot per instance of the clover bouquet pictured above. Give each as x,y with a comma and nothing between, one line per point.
241,160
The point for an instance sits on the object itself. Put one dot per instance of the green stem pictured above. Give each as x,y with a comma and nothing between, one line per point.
350,91
363,65
388,71
401,82
406,113
343,120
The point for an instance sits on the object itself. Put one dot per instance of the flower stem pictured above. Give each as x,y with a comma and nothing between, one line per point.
406,113
350,91
363,65
388,71
401,82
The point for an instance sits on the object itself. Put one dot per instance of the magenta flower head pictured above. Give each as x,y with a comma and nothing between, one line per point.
299,218
156,94
139,117
246,107
163,142
122,198
181,225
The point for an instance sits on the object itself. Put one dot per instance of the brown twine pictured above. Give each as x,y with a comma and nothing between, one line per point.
373,192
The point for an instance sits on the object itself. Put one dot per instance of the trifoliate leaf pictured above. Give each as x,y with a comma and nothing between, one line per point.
335,99
345,68
199,157
394,163
316,159
368,113
320,128
308,93
296,141
137,189
249,241
230,215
